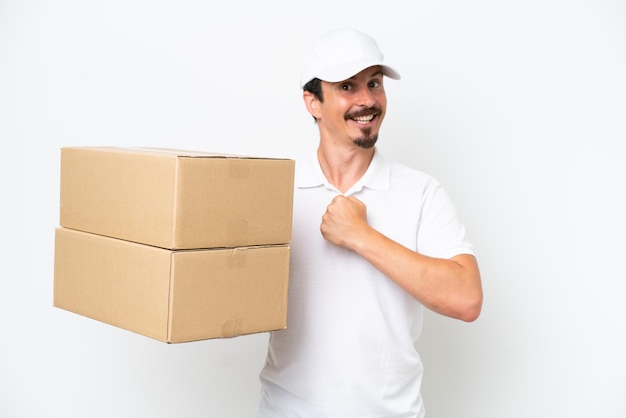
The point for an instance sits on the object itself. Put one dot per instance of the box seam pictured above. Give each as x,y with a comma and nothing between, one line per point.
170,299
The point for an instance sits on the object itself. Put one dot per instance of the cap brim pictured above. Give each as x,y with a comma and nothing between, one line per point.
346,71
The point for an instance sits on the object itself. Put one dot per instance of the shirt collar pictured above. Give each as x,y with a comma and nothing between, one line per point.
309,174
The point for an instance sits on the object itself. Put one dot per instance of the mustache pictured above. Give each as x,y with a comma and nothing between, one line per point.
374,110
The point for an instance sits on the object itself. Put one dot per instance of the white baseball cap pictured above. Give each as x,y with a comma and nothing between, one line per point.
340,54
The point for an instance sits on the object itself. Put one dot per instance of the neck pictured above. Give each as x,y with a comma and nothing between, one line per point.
344,169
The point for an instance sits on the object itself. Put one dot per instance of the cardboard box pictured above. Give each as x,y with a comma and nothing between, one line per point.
177,199
171,296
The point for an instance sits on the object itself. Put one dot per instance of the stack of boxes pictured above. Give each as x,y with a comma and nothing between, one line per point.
175,245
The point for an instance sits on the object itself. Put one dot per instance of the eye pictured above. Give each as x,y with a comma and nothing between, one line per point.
346,86
374,84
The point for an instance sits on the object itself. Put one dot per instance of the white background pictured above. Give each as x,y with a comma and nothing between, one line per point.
518,108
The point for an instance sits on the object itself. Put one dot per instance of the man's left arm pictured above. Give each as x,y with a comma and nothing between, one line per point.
451,287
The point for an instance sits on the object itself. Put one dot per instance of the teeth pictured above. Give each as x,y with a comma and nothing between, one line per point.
364,119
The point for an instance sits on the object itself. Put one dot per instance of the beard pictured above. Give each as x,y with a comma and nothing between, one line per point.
367,140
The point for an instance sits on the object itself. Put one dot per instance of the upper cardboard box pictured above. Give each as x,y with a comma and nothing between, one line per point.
177,199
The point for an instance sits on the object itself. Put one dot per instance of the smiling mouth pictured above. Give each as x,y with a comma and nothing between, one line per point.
364,117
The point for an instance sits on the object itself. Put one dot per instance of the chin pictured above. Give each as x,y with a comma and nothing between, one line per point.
365,142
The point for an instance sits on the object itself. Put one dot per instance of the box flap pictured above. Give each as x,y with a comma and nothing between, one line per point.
229,292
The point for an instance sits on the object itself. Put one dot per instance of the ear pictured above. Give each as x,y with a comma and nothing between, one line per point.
311,103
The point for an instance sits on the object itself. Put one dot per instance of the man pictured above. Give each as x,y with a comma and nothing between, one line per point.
373,243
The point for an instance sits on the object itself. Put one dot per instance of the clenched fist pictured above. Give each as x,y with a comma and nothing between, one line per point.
345,222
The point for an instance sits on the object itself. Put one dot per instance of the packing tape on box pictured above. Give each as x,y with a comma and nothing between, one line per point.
238,227
237,258
231,328
237,168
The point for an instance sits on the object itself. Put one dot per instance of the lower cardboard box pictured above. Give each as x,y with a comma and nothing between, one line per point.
168,295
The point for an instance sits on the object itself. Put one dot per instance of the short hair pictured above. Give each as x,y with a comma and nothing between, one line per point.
314,86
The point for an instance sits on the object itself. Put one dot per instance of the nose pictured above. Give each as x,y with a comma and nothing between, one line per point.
366,98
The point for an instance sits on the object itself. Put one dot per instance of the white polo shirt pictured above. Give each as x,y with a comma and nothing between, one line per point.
348,350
